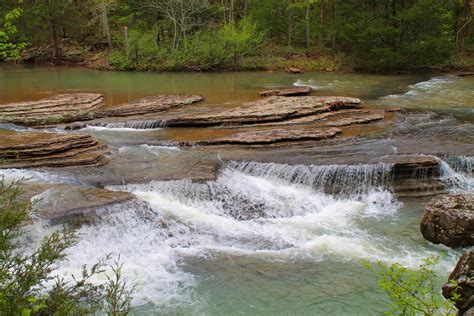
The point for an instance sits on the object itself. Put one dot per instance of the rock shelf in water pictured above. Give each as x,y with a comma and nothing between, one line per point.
287,92
40,149
272,109
273,136
66,108
61,108
63,202
449,220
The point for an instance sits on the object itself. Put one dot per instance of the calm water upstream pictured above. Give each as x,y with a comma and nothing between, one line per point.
192,251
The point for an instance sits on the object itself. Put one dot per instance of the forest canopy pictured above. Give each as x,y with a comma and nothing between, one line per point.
377,35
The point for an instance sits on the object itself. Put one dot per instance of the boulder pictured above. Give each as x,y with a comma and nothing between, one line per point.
463,278
449,220
287,92
40,149
61,108
294,70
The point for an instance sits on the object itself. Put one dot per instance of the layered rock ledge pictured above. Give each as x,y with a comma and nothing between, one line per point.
272,109
41,149
61,108
273,136
463,277
449,220
286,92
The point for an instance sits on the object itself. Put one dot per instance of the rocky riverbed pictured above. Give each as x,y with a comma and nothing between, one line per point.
287,178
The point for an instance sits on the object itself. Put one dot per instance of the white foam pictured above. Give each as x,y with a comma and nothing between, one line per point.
117,129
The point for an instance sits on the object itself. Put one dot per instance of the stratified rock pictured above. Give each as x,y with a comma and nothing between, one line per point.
287,92
272,109
61,108
62,202
449,220
294,70
357,119
152,104
273,136
463,276
40,149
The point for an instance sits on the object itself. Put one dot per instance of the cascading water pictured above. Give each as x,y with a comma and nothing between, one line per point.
261,212
145,124
456,173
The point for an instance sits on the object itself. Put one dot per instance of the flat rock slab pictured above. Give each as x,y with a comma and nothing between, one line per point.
286,92
63,202
272,109
273,136
152,104
61,108
449,220
41,149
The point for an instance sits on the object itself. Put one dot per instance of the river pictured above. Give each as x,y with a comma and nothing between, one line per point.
267,236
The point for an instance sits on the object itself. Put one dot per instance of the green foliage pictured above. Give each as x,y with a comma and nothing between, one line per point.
9,50
24,276
412,292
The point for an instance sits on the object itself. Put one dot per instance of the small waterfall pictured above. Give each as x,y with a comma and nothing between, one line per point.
456,173
334,179
146,124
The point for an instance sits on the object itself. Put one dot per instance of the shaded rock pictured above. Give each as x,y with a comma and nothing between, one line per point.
393,109
357,119
465,73
61,108
272,109
449,220
273,136
463,275
294,70
40,149
287,92
152,104
63,202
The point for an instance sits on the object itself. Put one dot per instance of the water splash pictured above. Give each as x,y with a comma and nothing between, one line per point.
456,173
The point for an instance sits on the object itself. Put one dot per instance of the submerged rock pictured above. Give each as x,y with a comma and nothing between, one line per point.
40,149
463,276
273,136
294,70
272,109
287,92
61,108
63,202
449,220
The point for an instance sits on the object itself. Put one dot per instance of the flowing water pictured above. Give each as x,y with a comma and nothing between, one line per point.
264,238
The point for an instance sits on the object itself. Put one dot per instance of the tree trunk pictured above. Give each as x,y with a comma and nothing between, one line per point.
322,17
105,24
246,7
308,24
53,29
127,43
231,11
290,27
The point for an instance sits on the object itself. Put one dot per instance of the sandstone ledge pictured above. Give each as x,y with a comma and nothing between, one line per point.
40,149
286,92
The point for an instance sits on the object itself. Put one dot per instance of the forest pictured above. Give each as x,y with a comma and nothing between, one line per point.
207,35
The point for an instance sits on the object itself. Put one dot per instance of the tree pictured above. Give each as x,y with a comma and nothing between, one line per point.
9,50
100,10
23,275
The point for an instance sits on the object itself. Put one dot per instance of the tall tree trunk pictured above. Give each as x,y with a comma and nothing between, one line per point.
322,17
308,24
231,11
127,43
290,27
53,29
105,24
246,7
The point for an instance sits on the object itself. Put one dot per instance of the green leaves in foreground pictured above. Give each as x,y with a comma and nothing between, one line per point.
412,292
28,285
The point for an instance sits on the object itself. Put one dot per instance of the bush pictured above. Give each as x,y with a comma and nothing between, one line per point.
23,276
9,50
412,292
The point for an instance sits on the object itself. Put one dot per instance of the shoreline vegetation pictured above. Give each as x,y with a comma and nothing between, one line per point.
391,36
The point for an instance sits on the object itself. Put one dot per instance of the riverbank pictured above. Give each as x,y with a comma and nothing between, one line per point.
269,58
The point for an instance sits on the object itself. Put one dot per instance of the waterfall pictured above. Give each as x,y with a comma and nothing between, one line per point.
456,173
145,124
341,179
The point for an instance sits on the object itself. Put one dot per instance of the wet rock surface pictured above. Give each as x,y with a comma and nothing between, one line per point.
463,276
61,108
273,136
449,220
286,92
41,149
59,203
272,109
